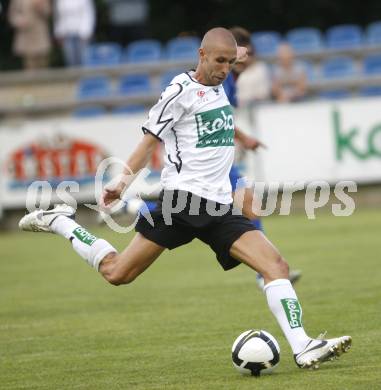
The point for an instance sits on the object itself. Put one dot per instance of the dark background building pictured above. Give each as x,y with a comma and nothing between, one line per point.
167,18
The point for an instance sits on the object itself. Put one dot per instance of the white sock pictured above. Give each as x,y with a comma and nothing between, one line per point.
285,306
89,247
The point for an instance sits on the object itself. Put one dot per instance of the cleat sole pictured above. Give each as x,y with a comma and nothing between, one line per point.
334,352
337,350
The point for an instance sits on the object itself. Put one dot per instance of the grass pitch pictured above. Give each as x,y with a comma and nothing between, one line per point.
63,327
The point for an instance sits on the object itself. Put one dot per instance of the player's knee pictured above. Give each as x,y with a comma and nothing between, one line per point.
118,279
280,268
277,269
115,281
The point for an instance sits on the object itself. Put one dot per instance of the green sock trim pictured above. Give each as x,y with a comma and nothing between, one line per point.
84,236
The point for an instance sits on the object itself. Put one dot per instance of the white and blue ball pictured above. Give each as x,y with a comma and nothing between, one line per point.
255,352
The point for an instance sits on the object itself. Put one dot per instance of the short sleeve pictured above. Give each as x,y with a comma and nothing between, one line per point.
165,113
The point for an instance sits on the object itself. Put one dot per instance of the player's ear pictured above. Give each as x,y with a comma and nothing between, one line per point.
201,53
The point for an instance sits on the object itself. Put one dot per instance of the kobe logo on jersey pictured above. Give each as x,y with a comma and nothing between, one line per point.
215,127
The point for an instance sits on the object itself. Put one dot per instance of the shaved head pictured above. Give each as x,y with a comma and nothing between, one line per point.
218,37
217,55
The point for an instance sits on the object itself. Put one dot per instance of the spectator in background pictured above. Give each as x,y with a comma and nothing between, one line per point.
74,23
128,19
30,19
289,77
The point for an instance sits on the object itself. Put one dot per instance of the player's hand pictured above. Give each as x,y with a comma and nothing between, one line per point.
252,143
111,193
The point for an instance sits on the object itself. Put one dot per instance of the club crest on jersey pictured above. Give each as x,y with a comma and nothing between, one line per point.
201,94
215,127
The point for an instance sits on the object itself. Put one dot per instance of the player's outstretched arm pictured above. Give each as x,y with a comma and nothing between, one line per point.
247,141
142,153
137,161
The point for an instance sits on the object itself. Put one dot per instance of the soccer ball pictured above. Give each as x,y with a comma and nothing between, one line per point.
255,352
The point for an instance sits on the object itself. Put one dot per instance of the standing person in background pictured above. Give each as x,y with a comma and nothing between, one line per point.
128,19
289,76
74,23
30,19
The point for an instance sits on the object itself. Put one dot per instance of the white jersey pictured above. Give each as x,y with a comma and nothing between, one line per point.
196,124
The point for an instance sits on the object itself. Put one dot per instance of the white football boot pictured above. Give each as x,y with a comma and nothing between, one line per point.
41,220
321,350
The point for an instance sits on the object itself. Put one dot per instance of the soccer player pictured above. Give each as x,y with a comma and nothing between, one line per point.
194,120
242,37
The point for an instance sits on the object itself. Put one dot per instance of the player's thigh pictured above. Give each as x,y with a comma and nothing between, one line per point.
255,250
136,258
245,200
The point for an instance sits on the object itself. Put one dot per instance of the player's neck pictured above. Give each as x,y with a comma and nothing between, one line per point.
200,78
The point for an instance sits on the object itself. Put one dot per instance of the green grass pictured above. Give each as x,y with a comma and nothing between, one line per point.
63,327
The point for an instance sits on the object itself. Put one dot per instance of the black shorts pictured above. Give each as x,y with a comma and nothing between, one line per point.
219,232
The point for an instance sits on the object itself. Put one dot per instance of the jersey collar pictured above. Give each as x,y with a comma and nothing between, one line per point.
214,87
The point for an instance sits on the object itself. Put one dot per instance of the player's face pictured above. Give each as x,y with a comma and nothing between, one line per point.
217,63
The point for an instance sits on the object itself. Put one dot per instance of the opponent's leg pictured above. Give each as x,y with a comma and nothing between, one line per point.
255,250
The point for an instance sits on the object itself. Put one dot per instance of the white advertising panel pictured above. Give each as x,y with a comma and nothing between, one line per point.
60,150
322,141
